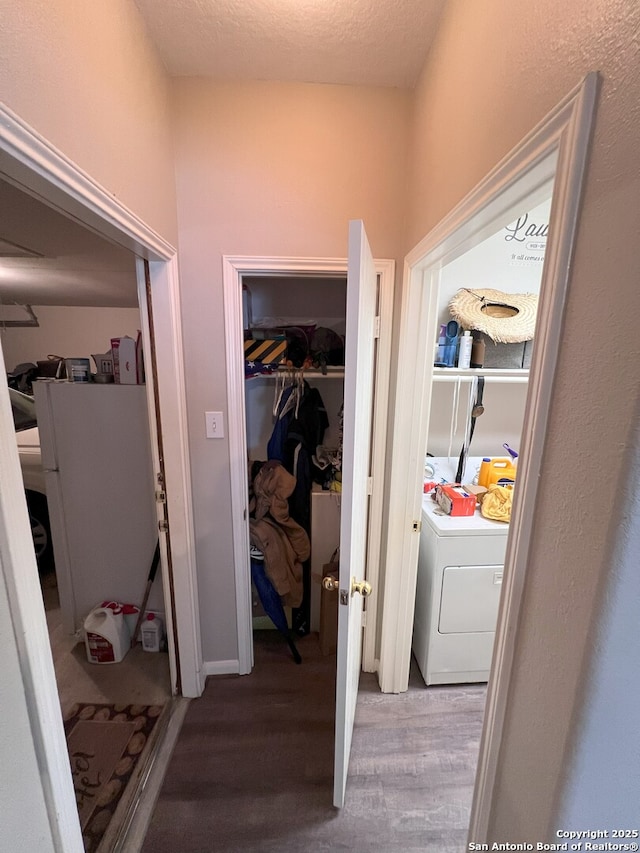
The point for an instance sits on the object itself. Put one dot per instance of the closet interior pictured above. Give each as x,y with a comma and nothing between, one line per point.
294,332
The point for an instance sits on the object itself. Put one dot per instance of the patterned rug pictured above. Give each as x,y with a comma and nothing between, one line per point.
105,743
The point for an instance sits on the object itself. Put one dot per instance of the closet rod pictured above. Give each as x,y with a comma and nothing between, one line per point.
508,380
332,373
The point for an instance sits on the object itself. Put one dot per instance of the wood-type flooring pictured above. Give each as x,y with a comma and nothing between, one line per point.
252,769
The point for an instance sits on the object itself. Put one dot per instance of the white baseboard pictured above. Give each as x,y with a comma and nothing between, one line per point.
221,667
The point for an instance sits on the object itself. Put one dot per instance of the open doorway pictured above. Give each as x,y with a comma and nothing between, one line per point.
29,163
554,153
294,335
275,282
85,451
476,417
368,291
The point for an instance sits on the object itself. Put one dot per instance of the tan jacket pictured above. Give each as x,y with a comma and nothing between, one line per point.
282,540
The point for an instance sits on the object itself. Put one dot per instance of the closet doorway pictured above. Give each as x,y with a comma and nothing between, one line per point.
271,279
294,415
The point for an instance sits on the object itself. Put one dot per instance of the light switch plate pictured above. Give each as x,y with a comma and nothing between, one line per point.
214,424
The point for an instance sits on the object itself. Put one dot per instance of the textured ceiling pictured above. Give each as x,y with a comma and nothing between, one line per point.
351,42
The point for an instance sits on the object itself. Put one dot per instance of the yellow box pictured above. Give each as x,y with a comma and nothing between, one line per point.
267,352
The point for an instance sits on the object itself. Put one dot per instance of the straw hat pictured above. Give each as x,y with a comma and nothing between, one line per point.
507,318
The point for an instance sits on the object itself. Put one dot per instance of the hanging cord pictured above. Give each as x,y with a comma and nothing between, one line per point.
462,461
455,404
475,410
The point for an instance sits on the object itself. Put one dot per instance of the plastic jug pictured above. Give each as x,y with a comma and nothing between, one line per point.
130,613
494,470
106,637
152,630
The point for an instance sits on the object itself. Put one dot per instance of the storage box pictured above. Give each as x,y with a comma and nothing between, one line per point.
267,351
455,500
477,491
125,360
53,367
329,612
506,356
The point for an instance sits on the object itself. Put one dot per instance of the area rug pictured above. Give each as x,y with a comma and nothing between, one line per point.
105,743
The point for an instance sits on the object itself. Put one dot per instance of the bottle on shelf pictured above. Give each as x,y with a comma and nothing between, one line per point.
464,351
477,352
440,348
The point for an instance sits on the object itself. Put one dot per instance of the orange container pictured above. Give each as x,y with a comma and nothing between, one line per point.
499,468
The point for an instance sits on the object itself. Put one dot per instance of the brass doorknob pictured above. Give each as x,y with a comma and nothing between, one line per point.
330,583
363,587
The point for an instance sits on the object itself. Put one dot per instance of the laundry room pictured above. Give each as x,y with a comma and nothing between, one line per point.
485,335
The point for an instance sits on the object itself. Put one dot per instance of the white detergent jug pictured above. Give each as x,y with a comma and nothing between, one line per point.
107,637
152,631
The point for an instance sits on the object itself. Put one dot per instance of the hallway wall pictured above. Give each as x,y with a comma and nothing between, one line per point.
278,170
86,76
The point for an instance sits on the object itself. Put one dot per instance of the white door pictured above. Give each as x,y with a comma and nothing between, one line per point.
356,453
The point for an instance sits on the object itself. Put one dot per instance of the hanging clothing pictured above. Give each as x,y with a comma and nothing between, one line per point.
284,543
282,414
299,429
301,421
272,487
281,564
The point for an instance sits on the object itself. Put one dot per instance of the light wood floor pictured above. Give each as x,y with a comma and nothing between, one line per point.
140,678
252,769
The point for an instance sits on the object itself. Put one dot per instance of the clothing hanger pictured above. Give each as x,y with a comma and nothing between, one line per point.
291,401
278,392
299,388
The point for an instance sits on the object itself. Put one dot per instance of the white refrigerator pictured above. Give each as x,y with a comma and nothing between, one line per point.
96,454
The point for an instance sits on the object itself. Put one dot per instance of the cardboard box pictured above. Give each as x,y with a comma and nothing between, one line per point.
329,612
478,491
455,500
125,370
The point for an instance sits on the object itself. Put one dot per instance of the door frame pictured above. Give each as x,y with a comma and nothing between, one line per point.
234,267
35,166
562,138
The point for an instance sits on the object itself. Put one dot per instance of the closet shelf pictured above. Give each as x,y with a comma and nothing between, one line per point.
332,373
492,374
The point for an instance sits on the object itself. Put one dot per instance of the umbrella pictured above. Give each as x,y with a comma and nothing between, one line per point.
271,601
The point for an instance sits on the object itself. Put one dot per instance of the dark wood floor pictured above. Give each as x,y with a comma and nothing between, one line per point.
253,766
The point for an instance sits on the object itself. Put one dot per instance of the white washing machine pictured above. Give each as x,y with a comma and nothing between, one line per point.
460,568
